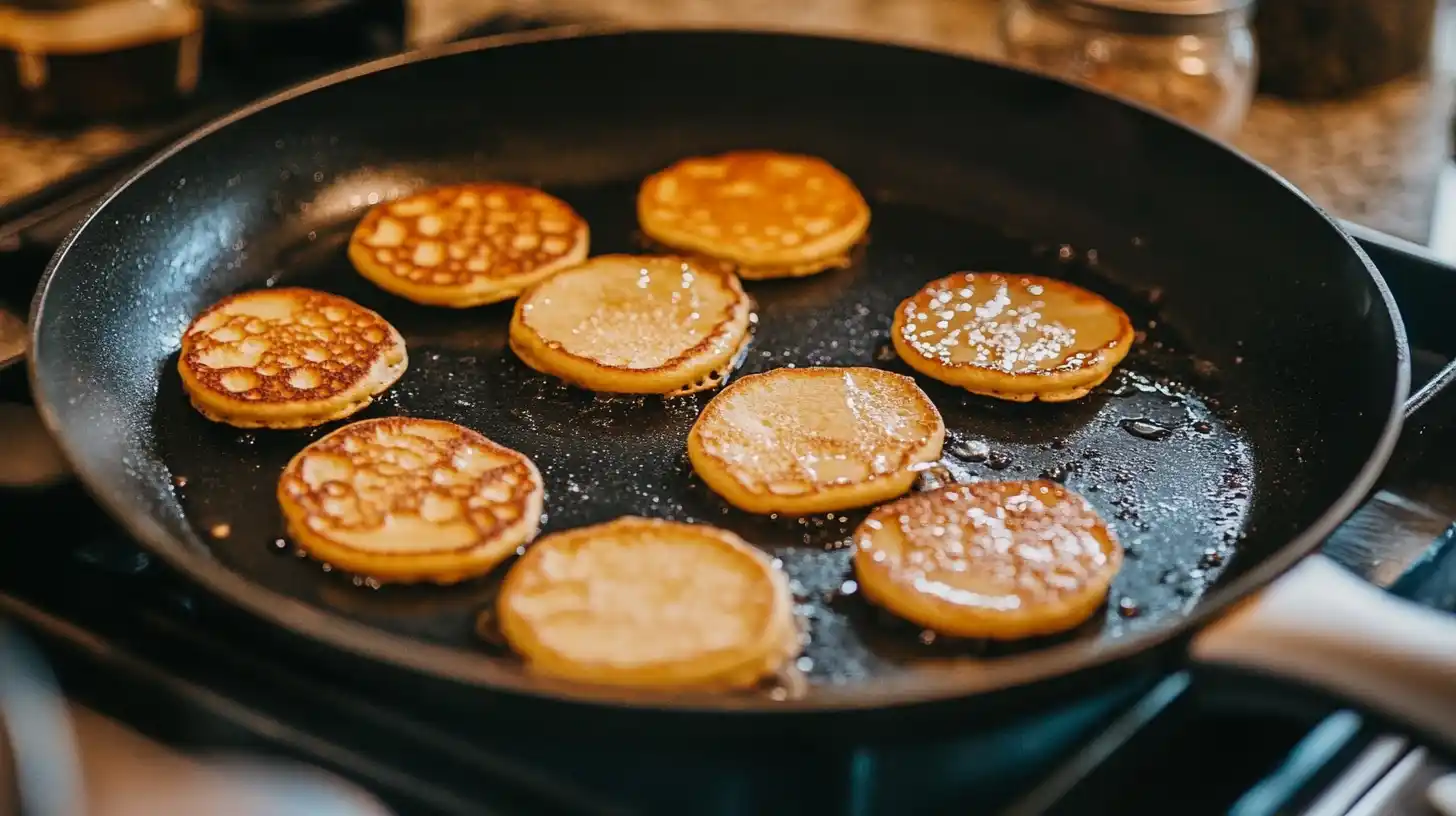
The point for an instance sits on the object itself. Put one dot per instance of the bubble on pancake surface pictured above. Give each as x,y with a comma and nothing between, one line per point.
287,347
410,499
467,244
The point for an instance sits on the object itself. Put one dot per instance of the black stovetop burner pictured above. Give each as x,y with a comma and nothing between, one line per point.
134,641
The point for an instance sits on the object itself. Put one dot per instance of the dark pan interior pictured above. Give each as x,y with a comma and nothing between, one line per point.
1269,359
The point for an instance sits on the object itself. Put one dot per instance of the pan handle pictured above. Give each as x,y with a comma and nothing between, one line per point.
1322,626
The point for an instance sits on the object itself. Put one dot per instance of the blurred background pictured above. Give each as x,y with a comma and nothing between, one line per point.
1354,96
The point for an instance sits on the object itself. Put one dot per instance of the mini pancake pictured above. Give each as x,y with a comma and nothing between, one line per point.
633,325
407,500
650,604
1000,560
1013,337
467,244
287,358
768,215
813,440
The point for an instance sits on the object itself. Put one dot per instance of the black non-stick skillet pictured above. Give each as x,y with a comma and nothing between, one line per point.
1264,396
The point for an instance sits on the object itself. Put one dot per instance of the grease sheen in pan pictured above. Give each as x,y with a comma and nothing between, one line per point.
1172,495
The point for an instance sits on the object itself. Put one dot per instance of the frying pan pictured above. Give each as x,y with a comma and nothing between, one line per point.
1264,396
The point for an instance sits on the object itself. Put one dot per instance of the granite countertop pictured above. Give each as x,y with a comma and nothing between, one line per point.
1375,159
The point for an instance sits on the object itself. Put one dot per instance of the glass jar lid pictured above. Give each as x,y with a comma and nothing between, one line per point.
1152,16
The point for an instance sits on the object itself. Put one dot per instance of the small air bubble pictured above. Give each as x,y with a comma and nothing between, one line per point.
1128,608
848,588
1146,429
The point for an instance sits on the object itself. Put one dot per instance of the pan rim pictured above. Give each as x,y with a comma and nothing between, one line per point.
451,664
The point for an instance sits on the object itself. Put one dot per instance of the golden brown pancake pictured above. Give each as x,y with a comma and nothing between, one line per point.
1013,337
467,244
650,604
287,358
407,500
812,440
1001,560
633,325
768,215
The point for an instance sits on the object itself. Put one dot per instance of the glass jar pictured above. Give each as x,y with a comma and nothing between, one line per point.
81,60
1194,60
1326,49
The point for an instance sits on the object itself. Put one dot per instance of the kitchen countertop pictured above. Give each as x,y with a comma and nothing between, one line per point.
1375,159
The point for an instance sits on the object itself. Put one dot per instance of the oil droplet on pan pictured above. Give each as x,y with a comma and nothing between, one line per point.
971,451
1146,429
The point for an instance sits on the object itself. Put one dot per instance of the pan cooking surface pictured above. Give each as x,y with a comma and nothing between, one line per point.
1151,449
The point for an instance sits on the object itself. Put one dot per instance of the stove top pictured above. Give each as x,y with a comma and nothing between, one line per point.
127,637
